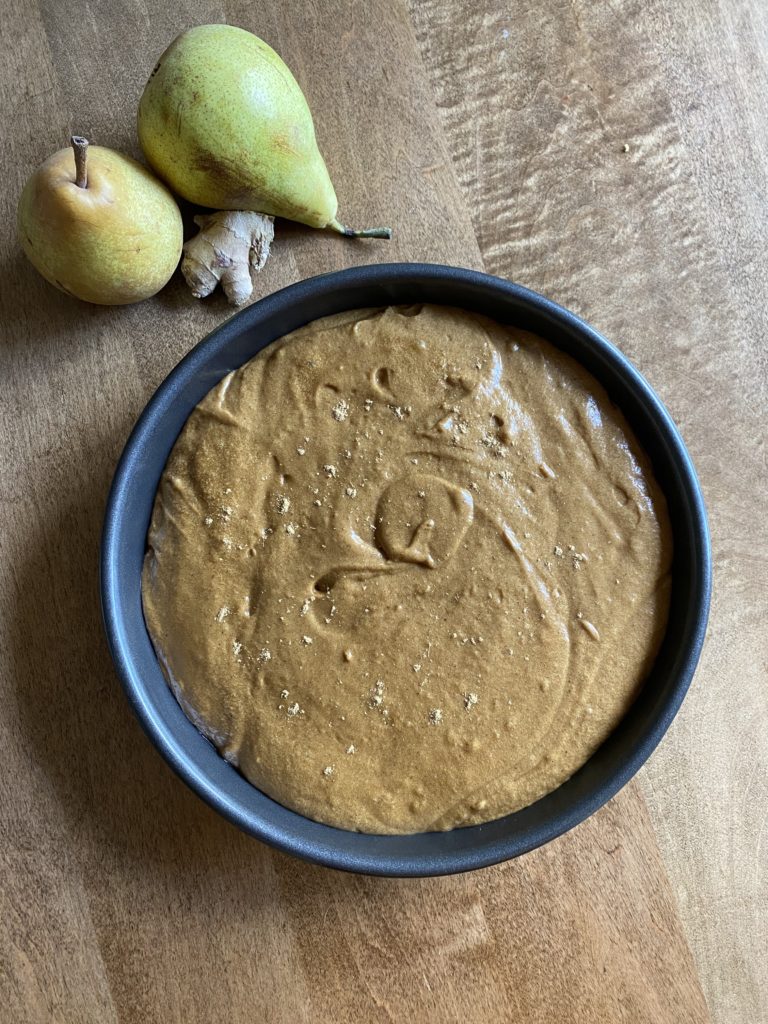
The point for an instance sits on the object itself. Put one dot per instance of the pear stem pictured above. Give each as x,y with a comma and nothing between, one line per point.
80,146
364,233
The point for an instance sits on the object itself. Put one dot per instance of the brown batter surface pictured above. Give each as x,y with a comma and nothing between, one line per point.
407,569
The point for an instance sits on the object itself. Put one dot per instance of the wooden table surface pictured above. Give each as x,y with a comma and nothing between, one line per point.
609,153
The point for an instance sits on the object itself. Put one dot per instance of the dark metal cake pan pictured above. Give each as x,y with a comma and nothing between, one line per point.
124,543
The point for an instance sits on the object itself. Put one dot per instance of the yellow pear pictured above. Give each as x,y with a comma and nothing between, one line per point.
99,226
224,122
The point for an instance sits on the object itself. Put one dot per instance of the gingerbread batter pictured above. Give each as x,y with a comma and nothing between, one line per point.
407,569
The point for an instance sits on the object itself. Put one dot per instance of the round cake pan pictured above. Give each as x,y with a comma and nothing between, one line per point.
124,542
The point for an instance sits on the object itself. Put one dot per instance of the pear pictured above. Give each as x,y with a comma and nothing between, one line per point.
99,226
223,121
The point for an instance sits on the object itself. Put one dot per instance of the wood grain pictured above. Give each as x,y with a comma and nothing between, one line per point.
122,897
663,247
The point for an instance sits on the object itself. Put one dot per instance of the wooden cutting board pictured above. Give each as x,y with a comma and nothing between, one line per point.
123,897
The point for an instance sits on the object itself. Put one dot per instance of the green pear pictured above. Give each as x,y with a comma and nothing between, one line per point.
223,121
99,226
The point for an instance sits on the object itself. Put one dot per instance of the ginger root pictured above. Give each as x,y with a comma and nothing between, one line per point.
228,246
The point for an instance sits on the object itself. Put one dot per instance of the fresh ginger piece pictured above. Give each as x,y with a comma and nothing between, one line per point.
229,245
